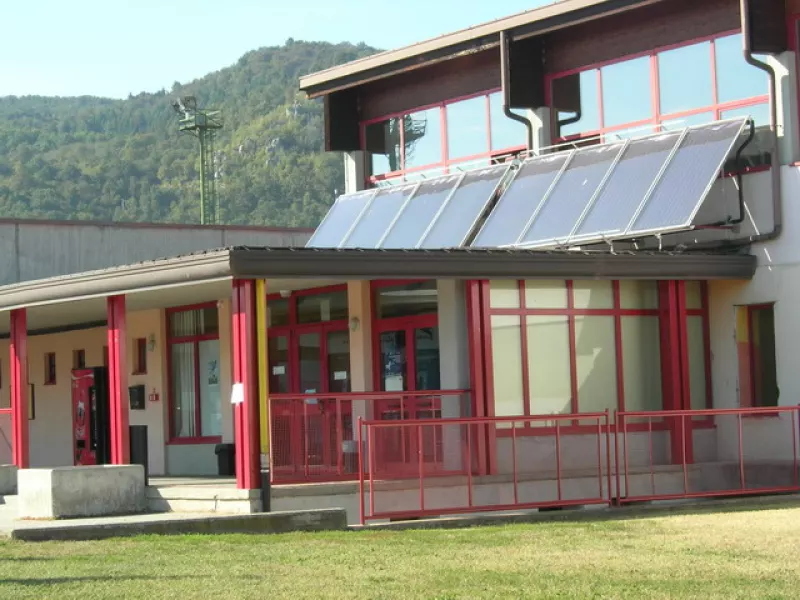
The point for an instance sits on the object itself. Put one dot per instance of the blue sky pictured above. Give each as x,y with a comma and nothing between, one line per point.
115,47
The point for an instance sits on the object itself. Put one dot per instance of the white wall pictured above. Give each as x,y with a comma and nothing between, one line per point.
777,280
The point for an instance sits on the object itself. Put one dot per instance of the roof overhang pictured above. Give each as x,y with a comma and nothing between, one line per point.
324,264
474,39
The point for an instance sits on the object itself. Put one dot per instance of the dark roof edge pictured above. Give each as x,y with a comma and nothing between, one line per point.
388,264
162,273
536,21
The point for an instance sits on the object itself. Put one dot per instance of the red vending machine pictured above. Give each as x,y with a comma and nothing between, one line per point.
90,425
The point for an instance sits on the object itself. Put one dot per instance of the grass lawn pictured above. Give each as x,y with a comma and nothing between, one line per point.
743,554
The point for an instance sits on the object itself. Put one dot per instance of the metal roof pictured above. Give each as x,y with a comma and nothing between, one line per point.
480,37
311,263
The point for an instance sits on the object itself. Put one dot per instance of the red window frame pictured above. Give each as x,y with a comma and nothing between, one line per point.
656,115
617,312
292,330
50,368
446,162
79,359
752,363
195,339
407,324
140,356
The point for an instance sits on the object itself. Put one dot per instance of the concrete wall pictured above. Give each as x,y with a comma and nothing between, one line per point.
35,250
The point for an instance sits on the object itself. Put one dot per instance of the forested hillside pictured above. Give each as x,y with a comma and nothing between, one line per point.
123,160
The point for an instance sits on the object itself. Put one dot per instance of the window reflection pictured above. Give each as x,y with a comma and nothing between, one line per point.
383,142
627,94
506,133
577,100
423,138
736,79
467,133
684,77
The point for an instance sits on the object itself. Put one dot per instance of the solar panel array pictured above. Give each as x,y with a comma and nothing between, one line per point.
436,213
632,188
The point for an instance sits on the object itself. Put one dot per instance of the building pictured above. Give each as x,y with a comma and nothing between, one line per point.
562,274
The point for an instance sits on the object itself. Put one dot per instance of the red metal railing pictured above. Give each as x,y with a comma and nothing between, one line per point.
732,452
428,468
313,436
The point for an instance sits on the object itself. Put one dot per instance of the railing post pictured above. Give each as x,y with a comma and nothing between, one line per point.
514,460
421,470
616,455
608,456
741,451
361,508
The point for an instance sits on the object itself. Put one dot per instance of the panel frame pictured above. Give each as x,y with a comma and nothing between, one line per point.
414,186
688,224
471,232
628,232
519,166
609,170
330,211
459,178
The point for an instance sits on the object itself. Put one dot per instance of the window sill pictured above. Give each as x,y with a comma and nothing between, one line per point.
138,373
187,441
49,383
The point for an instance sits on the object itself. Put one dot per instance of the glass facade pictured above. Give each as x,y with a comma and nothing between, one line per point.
470,130
587,346
675,87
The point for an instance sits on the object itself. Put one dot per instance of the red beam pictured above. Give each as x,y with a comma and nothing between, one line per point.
118,381
246,412
20,448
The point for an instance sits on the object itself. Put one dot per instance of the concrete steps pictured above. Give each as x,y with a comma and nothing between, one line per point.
8,502
203,499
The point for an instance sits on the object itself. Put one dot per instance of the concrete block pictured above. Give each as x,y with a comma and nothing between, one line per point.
264,523
8,480
71,492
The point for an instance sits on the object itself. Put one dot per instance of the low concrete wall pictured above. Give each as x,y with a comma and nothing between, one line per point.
277,522
70,492
8,480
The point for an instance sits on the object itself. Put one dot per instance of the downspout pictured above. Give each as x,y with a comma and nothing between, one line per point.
505,77
777,204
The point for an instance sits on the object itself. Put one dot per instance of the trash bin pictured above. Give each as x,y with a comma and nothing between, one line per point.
226,459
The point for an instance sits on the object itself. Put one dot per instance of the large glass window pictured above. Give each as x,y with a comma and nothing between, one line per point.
587,346
467,129
406,300
471,130
195,374
695,83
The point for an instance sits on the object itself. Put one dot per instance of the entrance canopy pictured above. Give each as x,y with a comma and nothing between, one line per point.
206,276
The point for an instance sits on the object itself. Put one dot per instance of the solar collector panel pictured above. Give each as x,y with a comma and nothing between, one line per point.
569,198
519,201
340,219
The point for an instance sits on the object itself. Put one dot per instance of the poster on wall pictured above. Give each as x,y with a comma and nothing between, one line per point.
213,372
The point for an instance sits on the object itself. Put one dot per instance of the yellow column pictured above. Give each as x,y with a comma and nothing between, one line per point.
263,363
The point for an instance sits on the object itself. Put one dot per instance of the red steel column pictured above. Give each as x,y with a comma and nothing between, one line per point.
245,411
118,381
674,370
20,449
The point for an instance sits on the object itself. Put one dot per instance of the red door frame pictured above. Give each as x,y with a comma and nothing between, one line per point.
292,332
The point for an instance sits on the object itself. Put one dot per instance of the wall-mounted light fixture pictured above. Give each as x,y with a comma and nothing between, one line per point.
286,293
151,342
355,323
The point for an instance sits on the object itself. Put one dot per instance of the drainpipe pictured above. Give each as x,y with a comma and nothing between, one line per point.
505,76
777,205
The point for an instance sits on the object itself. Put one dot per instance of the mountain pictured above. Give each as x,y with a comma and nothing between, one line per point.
124,160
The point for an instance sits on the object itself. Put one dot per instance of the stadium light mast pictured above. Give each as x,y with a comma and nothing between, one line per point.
203,124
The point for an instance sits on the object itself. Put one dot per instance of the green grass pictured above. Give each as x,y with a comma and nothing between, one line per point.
743,554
